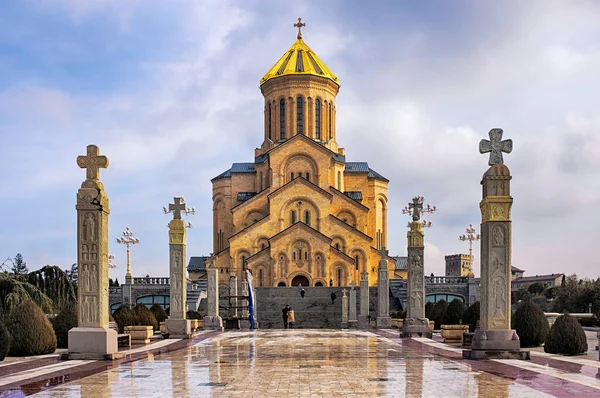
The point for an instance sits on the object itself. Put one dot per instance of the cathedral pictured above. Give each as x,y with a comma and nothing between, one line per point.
300,214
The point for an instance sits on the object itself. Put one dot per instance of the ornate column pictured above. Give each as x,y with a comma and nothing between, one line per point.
383,293
92,339
344,309
495,339
363,321
178,326
212,320
415,321
352,321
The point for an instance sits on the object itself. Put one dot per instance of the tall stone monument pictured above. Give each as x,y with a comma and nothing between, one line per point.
92,339
178,326
344,309
212,320
363,316
495,339
352,321
415,321
384,321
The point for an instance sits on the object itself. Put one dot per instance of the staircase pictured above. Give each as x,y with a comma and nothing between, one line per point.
195,295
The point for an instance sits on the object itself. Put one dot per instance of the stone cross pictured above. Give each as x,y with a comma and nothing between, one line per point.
92,162
299,25
383,253
92,339
495,146
416,206
364,293
233,289
177,208
352,310
212,320
383,293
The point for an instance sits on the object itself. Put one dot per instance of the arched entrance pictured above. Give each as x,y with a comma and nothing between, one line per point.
300,280
319,284
281,284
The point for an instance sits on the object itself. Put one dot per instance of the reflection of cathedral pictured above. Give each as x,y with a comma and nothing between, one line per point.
300,213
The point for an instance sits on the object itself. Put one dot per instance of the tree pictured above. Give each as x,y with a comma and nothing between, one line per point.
471,316
14,291
454,313
566,337
19,266
4,342
117,282
531,324
536,288
63,322
72,273
30,331
55,283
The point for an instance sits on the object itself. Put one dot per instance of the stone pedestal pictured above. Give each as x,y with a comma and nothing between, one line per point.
179,328
495,339
93,343
384,321
344,309
92,339
363,322
416,326
453,333
212,321
139,334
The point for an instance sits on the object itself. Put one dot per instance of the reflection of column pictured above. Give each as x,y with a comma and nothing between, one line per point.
414,377
233,312
179,377
489,385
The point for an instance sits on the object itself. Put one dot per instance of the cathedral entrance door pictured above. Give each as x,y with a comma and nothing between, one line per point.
300,280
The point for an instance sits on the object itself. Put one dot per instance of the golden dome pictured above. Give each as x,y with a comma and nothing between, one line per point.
299,60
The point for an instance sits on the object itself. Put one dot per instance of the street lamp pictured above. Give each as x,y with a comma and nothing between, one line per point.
110,261
470,236
128,239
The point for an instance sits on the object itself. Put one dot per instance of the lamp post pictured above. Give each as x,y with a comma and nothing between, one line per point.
110,261
128,239
470,236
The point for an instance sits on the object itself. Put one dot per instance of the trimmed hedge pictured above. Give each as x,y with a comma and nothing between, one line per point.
454,313
193,315
144,317
124,316
566,337
589,322
30,331
530,324
471,316
437,312
63,322
4,342
159,313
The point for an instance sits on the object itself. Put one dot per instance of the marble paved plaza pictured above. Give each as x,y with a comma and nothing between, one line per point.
310,363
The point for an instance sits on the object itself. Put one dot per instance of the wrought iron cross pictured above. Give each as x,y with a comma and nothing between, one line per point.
299,25
495,146
92,162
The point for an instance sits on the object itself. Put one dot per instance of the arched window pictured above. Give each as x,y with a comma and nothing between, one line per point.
262,246
269,121
307,217
300,115
337,246
294,255
339,277
318,119
293,217
306,255
282,119
260,277
356,258
291,175
243,262
330,123
308,176
300,174
299,254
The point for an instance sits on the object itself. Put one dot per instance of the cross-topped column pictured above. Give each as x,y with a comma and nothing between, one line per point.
383,292
299,25
383,253
92,162
495,146
416,206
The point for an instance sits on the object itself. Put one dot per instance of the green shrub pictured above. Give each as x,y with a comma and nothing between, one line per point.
531,324
144,317
454,313
536,288
566,337
30,331
471,316
437,313
589,322
63,322
4,342
193,315
159,313
124,316
429,310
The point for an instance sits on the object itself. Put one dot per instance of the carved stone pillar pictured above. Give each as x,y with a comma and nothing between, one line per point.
363,321
344,309
212,320
384,321
352,321
178,326
415,321
92,339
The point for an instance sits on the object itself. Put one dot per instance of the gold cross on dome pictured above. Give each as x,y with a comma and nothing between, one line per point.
299,25
92,162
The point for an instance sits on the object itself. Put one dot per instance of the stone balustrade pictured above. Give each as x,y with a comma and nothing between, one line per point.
443,280
151,281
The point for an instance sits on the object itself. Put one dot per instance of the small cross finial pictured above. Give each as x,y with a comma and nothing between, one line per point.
495,146
92,162
383,253
299,25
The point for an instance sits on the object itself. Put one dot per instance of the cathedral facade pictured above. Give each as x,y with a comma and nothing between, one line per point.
300,214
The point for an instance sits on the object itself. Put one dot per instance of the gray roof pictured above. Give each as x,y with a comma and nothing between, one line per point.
197,263
515,269
363,167
401,262
537,278
242,168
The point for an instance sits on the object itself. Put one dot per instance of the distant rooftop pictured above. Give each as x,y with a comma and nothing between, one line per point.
401,262
537,278
197,263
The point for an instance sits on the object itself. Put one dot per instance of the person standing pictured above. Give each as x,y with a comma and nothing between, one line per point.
291,318
302,292
284,315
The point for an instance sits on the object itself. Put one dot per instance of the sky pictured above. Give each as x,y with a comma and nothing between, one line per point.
169,91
